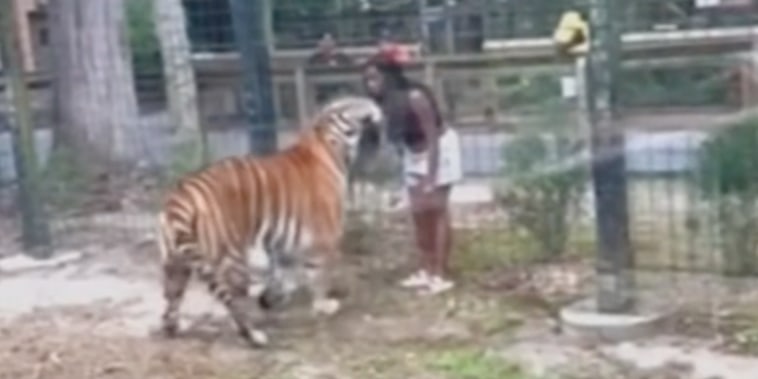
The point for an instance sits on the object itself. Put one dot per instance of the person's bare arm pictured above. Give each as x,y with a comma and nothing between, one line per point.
426,116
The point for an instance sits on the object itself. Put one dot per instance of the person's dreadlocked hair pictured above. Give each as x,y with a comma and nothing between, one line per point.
392,71
394,98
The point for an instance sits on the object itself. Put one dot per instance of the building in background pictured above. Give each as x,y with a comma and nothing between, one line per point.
31,21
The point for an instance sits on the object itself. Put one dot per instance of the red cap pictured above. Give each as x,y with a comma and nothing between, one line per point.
395,53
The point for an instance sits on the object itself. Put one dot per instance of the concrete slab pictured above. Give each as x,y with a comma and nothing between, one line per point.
581,318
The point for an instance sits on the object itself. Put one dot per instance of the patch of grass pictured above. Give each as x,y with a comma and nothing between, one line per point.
488,315
582,242
453,361
386,366
468,363
747,340
734,325
483,249
65,185
498,324
739,327
362,237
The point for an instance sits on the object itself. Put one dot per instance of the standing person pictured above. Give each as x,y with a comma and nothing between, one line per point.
328,54
431,161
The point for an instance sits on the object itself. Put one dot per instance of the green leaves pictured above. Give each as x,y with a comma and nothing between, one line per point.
727,178
142,37
728,161
544,184
474,364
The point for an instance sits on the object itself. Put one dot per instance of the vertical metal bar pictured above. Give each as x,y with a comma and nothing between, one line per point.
751,77
615,258
248,21
423,26
430,73
450,16
36,231
268,24
580,72
301,94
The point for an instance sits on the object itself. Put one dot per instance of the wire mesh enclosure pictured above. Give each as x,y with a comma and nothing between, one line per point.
122,98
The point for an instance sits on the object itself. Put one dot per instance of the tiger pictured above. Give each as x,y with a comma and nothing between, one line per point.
289,205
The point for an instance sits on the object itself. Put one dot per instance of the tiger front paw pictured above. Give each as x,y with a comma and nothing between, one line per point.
256,338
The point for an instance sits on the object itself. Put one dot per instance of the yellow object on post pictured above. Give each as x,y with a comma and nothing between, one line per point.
572,35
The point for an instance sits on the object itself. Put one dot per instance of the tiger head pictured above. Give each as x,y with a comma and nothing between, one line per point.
351,124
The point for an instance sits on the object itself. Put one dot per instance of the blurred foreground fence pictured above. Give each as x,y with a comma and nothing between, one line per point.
687,87
448,26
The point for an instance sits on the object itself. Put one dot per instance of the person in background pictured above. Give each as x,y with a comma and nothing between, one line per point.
327,54
431,160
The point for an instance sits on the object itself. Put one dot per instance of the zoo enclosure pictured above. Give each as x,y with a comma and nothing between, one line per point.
686,72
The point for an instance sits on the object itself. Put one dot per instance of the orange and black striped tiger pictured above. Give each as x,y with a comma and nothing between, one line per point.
288,205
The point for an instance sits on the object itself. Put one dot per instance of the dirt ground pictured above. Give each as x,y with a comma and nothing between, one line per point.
95,317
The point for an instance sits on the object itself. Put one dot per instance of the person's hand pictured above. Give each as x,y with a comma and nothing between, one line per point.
428,183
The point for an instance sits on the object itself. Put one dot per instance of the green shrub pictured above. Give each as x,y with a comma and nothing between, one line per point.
143,40
727,179
64,184
544,185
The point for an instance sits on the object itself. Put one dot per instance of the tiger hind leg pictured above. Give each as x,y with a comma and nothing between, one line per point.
230,286
176,276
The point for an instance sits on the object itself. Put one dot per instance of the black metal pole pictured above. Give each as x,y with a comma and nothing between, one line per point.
36,231
615,256
250,36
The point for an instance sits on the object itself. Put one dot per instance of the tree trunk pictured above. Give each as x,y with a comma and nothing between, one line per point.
95,96
180,77
36,231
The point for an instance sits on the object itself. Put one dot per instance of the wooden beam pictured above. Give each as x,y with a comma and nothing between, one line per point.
641,40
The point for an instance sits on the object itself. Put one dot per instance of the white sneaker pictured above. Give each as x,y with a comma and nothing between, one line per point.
418,279
438,285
